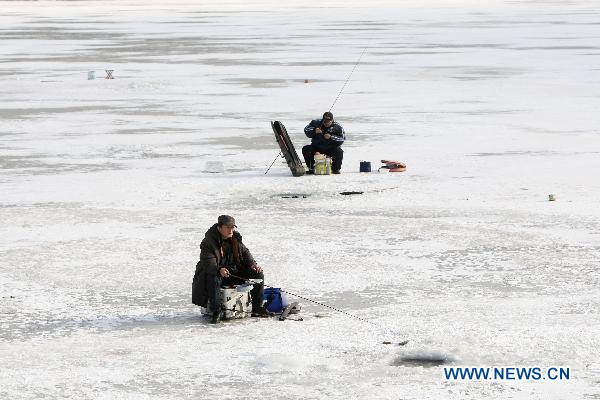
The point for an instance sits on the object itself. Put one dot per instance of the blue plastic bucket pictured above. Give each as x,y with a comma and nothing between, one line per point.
275,300
365,166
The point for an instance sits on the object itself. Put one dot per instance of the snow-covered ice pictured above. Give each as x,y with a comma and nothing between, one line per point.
106,192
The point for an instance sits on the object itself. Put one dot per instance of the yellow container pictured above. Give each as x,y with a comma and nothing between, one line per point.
322,165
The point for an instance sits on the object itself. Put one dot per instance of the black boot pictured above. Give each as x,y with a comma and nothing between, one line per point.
216,317
261,312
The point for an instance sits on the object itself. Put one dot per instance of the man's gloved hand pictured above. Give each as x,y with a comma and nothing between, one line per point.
224,272
318,131
256,268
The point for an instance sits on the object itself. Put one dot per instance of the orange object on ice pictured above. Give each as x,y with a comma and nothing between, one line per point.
394,166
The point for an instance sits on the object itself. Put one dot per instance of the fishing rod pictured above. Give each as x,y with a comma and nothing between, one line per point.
350,75
273,162
254,281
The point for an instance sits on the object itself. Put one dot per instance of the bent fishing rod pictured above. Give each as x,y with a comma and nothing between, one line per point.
349,75
254,281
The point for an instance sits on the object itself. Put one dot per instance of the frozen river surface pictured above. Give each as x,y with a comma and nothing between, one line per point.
105,197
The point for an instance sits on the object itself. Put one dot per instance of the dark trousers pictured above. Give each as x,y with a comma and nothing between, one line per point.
215,282
336,154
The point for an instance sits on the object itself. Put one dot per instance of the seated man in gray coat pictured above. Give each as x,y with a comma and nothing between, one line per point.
225,260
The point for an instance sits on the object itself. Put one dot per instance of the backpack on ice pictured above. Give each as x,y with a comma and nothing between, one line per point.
275,300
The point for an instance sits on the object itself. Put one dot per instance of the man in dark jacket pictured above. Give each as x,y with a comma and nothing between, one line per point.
326,137
222,254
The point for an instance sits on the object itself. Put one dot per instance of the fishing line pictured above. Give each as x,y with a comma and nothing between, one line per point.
350,75
273,162
402,343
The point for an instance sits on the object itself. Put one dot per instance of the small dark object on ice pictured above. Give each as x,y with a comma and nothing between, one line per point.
423,358
347,193
402,343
